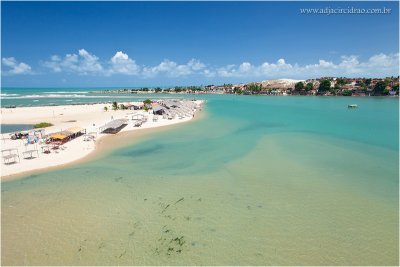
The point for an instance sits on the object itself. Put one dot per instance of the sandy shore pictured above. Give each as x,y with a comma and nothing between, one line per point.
89,117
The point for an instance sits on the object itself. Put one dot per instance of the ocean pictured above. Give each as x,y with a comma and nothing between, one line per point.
25,97
282,180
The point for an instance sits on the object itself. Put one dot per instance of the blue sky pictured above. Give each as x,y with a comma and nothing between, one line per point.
191,43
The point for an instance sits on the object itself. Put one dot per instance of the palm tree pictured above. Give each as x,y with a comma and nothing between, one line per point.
114,105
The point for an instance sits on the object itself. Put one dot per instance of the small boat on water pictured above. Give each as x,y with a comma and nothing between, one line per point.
352,106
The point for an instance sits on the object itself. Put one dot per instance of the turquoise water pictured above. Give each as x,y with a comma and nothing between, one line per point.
22,97
9,128
256,181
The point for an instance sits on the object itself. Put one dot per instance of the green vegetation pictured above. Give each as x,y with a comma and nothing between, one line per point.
158,89
299,86
179,89
237,91
396,89
255,88
195,88
333,91
324,86
387,81
147,101
362,85
309,86
114,105
340,81
379,88
42,125
347,93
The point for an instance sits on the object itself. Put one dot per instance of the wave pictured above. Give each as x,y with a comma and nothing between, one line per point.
62,96
66,92
1,95
52,96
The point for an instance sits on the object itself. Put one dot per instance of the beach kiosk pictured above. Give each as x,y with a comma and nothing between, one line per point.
113,126
75,132
158,110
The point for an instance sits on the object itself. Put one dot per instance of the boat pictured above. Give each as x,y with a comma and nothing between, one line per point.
352,106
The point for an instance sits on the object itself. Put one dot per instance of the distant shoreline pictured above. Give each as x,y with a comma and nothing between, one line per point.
138,92
175,95
340,86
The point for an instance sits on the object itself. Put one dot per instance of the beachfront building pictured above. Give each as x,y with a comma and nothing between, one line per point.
136,106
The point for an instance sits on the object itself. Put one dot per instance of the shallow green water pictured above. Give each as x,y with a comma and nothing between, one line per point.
258,181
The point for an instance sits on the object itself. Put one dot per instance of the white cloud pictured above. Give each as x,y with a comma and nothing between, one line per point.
281,61
90,62
382,60
173,69
227,71
14,67
245,67
82,63
85,63
121,63
377,65
195,64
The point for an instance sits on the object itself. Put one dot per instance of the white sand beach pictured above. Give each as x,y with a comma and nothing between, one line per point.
90,117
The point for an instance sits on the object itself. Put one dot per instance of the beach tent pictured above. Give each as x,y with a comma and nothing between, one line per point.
58,136
66,133
171,104
75,130
63,135
113,126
